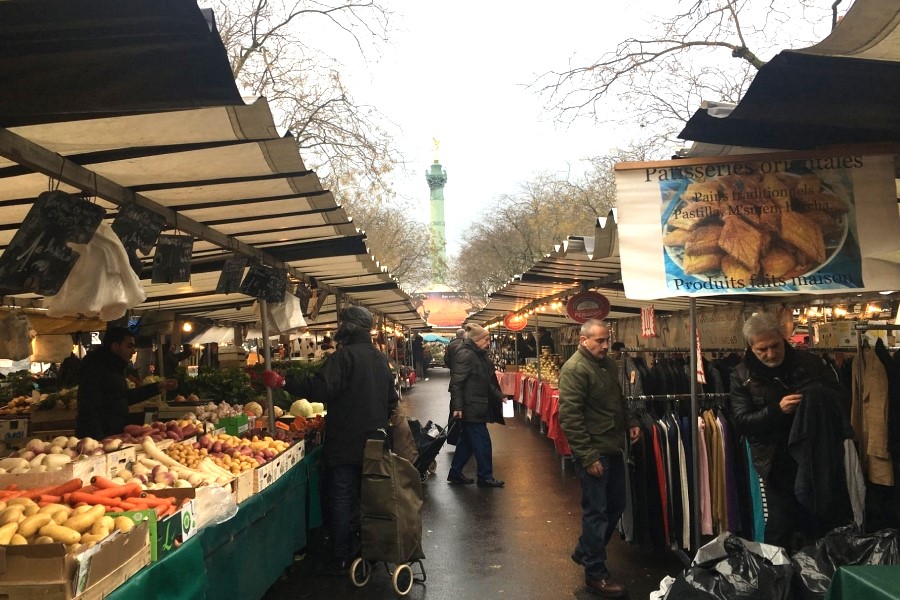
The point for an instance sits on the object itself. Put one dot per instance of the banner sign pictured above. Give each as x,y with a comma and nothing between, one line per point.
780,223
587,305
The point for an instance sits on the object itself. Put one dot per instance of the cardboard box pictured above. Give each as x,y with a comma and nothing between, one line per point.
119,459
83,469
172,531
235,425
14,431
52,416
242,486
269,473
48,572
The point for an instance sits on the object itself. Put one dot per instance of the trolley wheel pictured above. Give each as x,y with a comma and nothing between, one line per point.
403,579
360,571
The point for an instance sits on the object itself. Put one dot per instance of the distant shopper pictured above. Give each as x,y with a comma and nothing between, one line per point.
595,419
172,358
475,399
418,354
547,344
103,393
453,346
357,388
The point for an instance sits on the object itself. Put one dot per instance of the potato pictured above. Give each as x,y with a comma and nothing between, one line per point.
12,514
6,532
124,524
104,523
18,540
30,525
82,523
61,534
44,539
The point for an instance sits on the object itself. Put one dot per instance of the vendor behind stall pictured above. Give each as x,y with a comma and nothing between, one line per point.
103,393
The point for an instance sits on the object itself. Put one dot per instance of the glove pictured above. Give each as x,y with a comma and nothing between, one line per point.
272,379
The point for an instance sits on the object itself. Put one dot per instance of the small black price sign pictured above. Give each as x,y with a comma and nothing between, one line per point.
232,272
265,282
172,261
38,259
138,228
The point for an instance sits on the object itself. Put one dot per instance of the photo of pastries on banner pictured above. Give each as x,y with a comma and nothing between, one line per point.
753,229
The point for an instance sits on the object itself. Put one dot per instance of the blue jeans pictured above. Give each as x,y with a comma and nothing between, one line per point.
343,490
602,503
473,439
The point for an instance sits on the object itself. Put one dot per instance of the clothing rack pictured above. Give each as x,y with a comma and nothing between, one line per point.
705,396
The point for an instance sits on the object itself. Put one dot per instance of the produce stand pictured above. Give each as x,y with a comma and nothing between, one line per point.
244,556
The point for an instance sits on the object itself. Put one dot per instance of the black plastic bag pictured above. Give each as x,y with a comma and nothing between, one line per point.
814,566
731,568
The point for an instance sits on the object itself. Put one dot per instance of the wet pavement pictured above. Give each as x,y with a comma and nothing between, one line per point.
513,542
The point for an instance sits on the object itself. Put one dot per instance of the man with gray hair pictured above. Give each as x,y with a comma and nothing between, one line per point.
765,397
595,418
453,346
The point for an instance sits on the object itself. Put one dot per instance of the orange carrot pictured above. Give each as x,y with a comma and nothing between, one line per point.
150,500
121,491
73,485
101,482
50,499
93,499
36,492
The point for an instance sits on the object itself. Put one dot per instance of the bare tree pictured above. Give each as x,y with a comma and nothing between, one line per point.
707,50
519,229
272,46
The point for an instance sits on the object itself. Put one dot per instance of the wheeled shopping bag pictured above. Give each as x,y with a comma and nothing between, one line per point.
390,518
430,441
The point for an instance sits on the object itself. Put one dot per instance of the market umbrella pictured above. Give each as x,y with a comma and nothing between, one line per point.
433,337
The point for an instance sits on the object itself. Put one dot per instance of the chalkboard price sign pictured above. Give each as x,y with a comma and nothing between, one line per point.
38,259
232,272
172,261
265,282
138,228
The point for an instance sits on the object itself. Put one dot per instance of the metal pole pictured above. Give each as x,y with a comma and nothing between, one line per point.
537,344
264,322
695,433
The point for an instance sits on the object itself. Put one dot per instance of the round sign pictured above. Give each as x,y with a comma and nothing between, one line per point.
515,322
587,305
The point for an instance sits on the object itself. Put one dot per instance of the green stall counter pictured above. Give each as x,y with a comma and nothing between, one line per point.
244,556
865,582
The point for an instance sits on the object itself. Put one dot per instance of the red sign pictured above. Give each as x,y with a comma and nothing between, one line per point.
515,322
587,305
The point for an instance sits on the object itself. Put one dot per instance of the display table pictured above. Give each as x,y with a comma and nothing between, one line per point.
871,582
542,399
244,556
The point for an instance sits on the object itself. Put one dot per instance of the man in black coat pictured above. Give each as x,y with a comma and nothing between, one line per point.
476,399
103,393
357,388
766,391
452,347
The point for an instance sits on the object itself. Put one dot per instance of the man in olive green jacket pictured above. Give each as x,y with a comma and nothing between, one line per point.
593,415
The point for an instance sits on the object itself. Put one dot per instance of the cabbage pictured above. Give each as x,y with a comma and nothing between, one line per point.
254,408
317,408
301,408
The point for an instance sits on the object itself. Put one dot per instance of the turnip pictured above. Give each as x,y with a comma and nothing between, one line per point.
35,445
27,454
61,441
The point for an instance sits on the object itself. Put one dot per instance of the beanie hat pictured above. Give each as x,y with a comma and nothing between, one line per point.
476,332
353,319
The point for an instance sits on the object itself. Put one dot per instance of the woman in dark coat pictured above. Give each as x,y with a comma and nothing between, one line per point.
476,399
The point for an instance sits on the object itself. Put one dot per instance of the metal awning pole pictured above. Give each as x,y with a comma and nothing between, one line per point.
264,322
695,433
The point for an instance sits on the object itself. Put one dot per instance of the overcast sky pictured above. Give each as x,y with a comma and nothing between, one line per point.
456,71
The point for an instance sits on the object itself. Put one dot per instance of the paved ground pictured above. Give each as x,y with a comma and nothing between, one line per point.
485,543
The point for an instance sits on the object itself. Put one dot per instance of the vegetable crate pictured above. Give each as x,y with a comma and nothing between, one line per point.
83,469
49,572
235,425
172,531
14,431
119,459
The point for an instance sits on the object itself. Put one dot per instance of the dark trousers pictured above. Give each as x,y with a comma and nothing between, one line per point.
786,518
473,439
344,491
602,504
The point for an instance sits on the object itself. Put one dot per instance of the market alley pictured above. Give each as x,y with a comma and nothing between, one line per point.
513,542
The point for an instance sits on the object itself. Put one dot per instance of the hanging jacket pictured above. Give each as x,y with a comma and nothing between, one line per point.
357,388
816,442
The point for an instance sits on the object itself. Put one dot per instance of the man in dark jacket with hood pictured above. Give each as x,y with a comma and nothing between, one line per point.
103,393
357,388
476,399
765,396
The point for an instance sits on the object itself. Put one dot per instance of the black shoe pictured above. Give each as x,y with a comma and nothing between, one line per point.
606,588
494,483
577,558
459,479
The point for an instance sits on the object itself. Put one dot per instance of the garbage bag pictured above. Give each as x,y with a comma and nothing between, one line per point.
815,565
731,568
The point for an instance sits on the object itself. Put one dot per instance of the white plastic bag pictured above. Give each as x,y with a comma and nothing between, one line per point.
284,317
102,282
213,505
15,336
